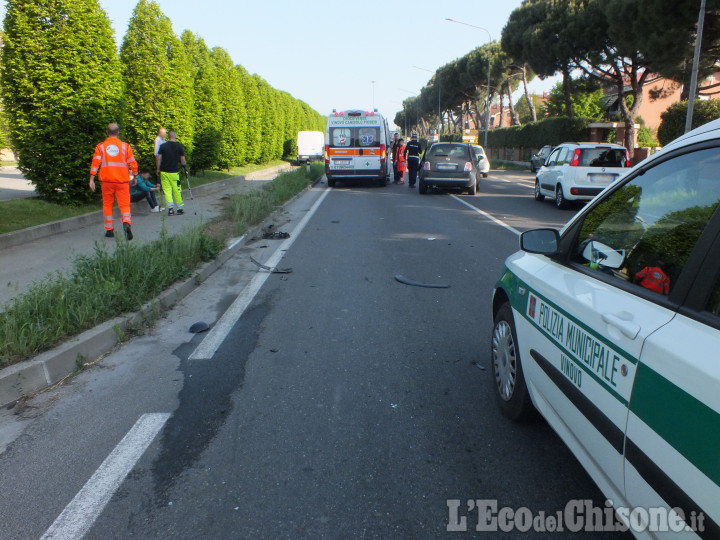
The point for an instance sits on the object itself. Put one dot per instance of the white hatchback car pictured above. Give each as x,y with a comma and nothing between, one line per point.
579,171
610,328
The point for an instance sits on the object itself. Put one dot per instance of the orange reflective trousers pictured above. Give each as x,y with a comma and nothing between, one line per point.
110,190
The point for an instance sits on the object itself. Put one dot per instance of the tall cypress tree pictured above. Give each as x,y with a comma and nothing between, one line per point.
232,110
253,106
61,86
270,132
207,118
158,82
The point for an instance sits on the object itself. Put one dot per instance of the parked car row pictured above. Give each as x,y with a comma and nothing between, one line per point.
610,328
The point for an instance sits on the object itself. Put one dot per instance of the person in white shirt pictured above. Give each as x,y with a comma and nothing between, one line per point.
159,140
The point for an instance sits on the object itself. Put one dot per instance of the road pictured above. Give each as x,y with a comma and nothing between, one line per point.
340,404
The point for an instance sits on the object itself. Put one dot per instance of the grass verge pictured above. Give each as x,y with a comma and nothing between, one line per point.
20,214
102,286
508,166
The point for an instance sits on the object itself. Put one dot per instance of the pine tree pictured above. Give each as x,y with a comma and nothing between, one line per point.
158,82
61,87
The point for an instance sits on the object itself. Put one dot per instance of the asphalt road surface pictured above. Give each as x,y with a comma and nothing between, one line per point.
341,403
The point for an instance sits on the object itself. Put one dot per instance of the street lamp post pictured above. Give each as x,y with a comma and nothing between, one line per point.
487,100
438,87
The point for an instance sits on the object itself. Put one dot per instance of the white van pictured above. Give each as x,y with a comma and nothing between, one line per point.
356,147
310,145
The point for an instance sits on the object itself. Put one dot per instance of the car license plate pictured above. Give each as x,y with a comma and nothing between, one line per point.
446,166
342,161
602,178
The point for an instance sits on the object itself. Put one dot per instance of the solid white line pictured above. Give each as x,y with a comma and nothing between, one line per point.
210,344
517,182
483,213
84,509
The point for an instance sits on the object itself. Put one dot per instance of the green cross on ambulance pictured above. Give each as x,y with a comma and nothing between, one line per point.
610,329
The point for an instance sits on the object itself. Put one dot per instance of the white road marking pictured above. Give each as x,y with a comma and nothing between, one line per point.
483,213
84,509
519,182
208,346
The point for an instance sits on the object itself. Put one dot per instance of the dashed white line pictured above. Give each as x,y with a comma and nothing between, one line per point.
78,516
207,347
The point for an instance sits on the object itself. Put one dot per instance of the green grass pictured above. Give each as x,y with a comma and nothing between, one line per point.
246,210
507,166
23,213
102,286
98,288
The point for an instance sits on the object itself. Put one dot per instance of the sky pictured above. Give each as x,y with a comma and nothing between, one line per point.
328,53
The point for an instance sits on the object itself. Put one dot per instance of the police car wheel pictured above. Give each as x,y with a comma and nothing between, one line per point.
510,389
538,194
331,182
422,187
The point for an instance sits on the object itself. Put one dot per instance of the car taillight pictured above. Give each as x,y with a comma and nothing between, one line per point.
468,166
327,154
382,154
627,158
426,166
576,158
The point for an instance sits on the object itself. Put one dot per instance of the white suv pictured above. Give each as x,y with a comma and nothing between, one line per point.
610,329
579,171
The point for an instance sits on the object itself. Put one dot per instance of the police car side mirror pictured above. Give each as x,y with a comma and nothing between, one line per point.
542,241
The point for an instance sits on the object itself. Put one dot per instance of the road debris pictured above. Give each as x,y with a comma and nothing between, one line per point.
272,270
200,326
406,281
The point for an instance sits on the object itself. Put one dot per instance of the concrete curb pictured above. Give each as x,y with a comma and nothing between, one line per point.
50,367
23,236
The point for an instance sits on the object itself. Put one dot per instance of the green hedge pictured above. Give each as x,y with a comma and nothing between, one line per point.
553,131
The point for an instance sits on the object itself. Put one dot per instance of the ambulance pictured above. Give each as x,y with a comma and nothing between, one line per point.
356,147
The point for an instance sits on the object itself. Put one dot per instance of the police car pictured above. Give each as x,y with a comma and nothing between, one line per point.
610,329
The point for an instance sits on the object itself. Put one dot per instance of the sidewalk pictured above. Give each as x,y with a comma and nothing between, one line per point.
13,185
30,255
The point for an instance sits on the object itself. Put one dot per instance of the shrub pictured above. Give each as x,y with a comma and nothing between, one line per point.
672,123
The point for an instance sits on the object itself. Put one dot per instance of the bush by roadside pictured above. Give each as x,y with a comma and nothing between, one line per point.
103,285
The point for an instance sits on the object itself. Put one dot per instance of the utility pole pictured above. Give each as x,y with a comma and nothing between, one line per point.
487,99
696,61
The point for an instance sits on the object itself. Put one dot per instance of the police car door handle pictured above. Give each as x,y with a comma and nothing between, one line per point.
623,323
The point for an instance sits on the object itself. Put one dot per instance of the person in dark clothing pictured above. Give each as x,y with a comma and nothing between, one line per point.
171,156
394,150
412,154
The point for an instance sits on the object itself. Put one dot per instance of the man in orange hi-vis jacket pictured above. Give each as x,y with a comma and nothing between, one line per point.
114,159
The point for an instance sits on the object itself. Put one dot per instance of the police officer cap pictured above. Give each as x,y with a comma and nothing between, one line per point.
414,135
